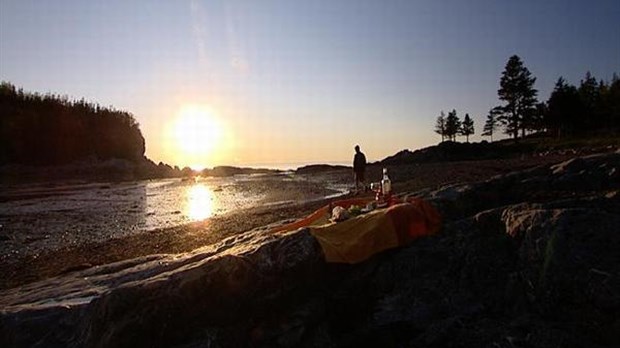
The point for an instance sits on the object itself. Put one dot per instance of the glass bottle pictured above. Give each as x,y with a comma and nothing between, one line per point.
386,184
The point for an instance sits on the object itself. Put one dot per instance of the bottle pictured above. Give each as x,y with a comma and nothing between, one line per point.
386,185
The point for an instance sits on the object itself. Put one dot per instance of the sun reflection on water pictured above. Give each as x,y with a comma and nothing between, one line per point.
199,202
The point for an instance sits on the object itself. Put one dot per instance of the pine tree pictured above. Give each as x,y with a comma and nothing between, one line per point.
539,116
490,126
564,110
453,125
588,91
467,127
612,103
440,125
589,94
518,93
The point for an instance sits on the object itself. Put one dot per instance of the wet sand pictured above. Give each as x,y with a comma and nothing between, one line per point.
44,217
291,202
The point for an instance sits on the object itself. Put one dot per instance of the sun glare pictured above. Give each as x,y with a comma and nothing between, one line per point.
199,202
197,135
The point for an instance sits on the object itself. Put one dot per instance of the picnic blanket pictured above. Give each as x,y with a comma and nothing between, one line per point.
358,238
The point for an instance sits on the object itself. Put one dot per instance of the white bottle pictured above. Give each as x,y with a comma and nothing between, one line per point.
386,184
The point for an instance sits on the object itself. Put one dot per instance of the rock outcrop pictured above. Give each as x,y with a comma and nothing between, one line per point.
528,259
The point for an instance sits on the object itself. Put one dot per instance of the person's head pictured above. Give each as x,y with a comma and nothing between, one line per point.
357,148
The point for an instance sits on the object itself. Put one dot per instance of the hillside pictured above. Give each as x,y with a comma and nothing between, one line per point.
449,151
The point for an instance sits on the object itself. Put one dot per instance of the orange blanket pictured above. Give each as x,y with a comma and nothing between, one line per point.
356,239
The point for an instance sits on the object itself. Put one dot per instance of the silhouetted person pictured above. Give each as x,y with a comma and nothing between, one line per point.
359,168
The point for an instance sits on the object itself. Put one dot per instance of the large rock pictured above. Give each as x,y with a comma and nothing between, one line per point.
593,174
527,259
569,259
161,299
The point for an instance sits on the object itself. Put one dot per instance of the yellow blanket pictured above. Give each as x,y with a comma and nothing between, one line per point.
356,239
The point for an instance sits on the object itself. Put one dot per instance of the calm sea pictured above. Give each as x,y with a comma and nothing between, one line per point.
294,165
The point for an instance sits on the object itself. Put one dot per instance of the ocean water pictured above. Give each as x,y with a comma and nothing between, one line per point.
33,218
294,165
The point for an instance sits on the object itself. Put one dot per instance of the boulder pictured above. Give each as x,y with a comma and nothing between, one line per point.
568,258
162,299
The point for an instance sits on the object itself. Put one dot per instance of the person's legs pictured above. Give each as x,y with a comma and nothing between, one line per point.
363,180
360,181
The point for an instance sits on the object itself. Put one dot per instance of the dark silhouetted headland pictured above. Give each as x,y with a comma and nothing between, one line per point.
49,129
48,137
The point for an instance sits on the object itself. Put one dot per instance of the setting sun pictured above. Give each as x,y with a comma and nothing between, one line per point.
198,135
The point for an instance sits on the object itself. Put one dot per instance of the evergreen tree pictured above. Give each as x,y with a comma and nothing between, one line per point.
612,104
440,125
491,124
532,122
518,93
589,94
453,125
467,127
538,120
564,110
589,91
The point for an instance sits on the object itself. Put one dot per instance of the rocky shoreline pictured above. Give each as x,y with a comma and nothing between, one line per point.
21,268
115,170
524,259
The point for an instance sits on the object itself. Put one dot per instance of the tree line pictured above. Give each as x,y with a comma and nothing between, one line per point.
450,126
592,107
51,129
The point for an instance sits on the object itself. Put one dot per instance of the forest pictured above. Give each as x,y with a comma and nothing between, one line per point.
590,109
48,129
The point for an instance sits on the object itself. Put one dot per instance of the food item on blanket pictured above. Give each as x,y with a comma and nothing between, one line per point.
355,210
369,207
339,214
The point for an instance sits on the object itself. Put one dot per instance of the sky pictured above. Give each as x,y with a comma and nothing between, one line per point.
298,81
